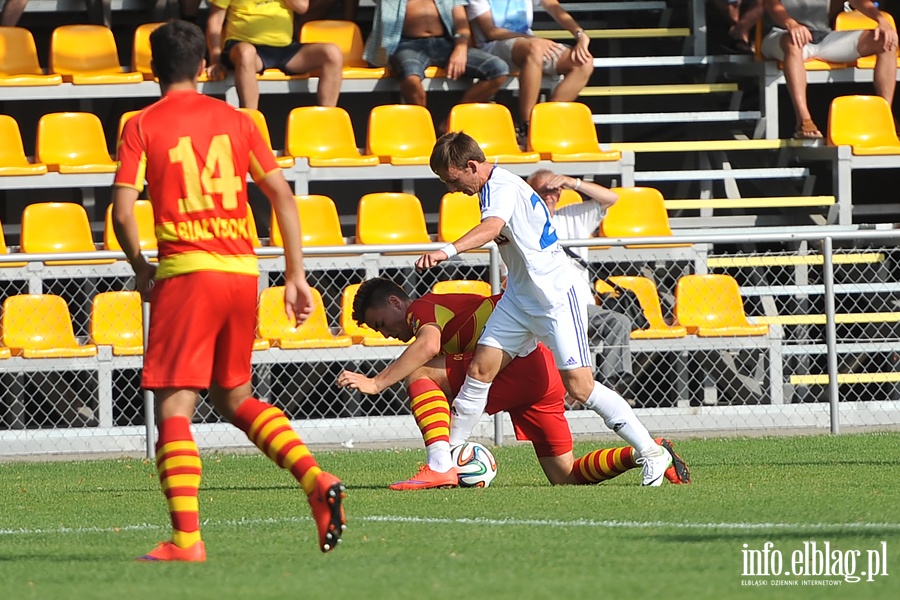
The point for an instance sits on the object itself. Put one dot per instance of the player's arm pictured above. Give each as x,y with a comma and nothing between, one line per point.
126,228
298,298
476,237
425,347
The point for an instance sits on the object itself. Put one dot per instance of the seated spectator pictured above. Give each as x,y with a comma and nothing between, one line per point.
413,35
503,28
608,330
802,32
259,35
742,16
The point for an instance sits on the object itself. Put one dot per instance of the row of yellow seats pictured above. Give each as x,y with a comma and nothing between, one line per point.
40,325
705,306
74,142
87,54
382,218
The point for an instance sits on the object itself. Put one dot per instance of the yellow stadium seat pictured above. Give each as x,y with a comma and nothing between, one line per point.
462,286
140,50
649,299
275,326
122,120
12,153
87,54
73,142
4,352
492,127
711,306
865,123
5,250
639,212
854,20
319,222
401,134
325,136
143,212
40,326
565,132
458,214
116,320
567,197
285,162
361,334
390,218
58,227
19,63
348,37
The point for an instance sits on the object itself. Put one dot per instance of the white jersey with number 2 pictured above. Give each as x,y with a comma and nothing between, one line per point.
540,275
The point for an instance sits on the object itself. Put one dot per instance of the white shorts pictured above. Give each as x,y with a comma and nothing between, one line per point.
563,330
833,46
503,49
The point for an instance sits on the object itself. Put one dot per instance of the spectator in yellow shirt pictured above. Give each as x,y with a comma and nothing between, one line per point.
259,35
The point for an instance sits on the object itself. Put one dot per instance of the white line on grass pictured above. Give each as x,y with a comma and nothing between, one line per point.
476,521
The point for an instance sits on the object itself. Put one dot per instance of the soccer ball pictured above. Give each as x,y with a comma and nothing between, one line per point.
475,465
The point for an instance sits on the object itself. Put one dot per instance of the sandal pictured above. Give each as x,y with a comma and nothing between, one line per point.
807,130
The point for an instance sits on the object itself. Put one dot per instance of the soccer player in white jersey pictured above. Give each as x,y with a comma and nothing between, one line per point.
540,304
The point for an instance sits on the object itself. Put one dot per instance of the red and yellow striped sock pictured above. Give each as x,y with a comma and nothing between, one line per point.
431,409
604,464
179,468
268,427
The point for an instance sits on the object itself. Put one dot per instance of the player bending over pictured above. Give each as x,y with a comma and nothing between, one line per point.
443,324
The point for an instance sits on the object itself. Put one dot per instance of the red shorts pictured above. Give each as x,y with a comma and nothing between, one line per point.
202,327
530,390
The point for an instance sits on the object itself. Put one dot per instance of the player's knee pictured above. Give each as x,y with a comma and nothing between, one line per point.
332,56
243,55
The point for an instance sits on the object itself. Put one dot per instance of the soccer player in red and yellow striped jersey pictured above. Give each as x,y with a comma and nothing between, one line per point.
446,328
195,152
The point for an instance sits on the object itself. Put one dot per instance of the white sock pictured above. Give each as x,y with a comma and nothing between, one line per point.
438,456
467,408
620,417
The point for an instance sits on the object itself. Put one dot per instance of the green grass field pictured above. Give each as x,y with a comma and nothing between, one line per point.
71,529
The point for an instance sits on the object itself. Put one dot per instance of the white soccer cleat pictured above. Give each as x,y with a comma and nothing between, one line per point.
654,467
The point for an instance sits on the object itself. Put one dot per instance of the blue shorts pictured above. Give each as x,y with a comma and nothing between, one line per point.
414,55
273,57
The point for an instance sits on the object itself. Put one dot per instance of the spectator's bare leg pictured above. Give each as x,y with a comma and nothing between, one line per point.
575,77
885,77
12,12
483,91
529,58
329,60
795,77
753,12
246,65
412,90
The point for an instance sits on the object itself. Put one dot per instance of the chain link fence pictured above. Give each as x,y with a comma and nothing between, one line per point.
742,333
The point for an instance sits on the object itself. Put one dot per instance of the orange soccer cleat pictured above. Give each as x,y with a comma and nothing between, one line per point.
428,479
168,551
678,473
328,512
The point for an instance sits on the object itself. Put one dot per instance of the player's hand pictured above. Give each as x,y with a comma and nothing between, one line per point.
357,381
298,299
800,34
580,53
216,71
456,66
144,274
431,259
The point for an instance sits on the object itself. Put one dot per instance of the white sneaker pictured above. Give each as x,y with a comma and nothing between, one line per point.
654,467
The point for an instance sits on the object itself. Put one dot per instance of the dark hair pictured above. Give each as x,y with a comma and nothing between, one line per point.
177,49
374,294
455,149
